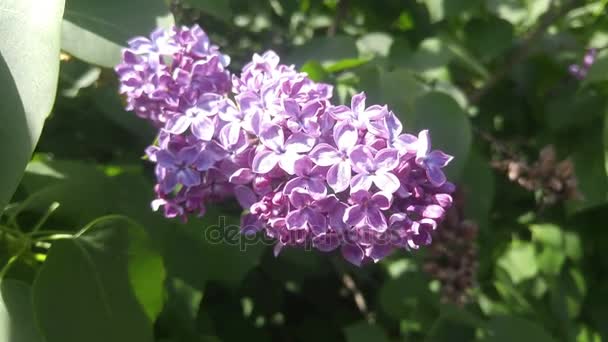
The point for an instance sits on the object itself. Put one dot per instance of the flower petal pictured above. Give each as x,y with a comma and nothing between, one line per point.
338,176
354,215
203,128
435,175
272,137
386,159
387,182
265,161
345,136
353,254
362,159
361,182
178,124
325,155
299,143
376,220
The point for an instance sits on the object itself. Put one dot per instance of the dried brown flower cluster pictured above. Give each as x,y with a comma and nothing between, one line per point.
554,180
452,257
184,14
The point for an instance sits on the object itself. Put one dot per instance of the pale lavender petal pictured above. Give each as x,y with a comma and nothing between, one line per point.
361,182
288,160
386,159
424,144
353,254
294,183
433,211
166,159
387,182
188,177
300,198
178,124
345,136
265,161
296,220
299,143
357,103
203,128
341,113
317,222
241,176
245,196
362,159
325,155
272,137
376,220
382,200
439,158
338,176
376,112
378,252
435,175
303,166
188,155
354,215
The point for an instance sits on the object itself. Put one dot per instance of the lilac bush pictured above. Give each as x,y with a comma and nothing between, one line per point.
308,173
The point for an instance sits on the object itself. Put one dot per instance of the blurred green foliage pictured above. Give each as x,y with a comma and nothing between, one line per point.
489,78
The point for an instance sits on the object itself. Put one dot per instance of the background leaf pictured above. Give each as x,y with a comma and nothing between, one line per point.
96,31
95,279
29,67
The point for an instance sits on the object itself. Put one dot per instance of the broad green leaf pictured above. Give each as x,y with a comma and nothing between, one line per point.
478,186
399,89
363,332
95,31
29,68
17,322
519,12
315,70
217,8
489,38
440,9
375,44
519,261
511,328
213,247
449,127
105,280
325,50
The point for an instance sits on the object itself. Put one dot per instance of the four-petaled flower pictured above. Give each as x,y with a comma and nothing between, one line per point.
433,161
360,116
345,137
277,150
306,214
199,118
374,169
180,167
367,210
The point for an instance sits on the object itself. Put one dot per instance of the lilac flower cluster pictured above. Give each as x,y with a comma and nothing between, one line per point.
580,71
308,173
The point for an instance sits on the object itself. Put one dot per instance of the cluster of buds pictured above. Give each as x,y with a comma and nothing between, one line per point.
553,180
580,71
308,173
452,258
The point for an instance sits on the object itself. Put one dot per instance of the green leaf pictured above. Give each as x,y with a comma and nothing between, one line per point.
399,89
325,50
375,44
217,8
315,70
363,332
29,69
478,186
17,322
95,31
510,328
519,261
440,9
489,38
449,127
105,280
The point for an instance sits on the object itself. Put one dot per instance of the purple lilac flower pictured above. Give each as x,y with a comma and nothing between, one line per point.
307,172
581,71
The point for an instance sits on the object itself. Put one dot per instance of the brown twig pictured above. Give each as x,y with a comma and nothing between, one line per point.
341,10
358,297
521,53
